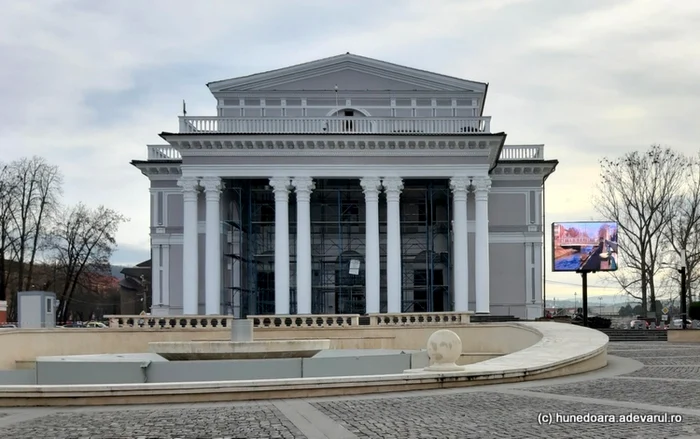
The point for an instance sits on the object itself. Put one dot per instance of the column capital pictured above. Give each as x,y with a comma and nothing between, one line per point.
482,184
212,188
212,184
392,184
459,186
303,186
188,184
371,187
280,187
190,188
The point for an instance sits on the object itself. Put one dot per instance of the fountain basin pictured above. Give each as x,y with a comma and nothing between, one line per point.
239,350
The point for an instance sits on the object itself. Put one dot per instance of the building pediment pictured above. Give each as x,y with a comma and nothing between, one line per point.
350,73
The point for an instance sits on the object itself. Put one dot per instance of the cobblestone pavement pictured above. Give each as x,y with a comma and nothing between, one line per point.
262,421
667,385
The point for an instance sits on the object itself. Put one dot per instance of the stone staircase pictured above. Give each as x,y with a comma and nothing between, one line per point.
636,334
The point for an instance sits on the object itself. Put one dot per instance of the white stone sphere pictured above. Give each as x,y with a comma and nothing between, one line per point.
444,349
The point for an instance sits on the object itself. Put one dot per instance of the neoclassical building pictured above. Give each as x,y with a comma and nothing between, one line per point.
345,185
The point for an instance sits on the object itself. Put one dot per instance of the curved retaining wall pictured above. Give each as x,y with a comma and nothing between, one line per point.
562,350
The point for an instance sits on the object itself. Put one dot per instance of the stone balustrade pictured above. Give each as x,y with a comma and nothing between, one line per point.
306,321
168,322
289,321
419,318
334,125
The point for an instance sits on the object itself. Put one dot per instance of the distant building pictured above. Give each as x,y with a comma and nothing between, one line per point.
345,185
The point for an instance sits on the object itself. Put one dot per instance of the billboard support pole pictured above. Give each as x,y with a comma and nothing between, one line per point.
584,295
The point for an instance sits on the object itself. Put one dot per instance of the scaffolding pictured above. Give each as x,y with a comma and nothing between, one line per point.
337,247
425,246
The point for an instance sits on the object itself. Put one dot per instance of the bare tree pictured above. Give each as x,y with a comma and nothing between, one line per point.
83,241
8,237
683,229
48,189
36,188
637,191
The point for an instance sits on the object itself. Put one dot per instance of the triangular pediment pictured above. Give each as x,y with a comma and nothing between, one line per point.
348,72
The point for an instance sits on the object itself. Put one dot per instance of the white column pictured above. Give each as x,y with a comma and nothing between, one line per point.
371,187
190,246
392,188
303,187
459,186
165,281
280,186
482,185
156,276
212,253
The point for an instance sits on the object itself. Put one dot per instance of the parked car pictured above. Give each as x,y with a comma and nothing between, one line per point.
678,323
96,325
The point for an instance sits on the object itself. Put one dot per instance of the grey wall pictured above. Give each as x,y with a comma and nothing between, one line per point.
86,372
83,372
19,377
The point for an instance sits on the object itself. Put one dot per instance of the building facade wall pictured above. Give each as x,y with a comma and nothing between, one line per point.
515,233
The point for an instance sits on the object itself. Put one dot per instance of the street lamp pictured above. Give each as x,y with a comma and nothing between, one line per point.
683,289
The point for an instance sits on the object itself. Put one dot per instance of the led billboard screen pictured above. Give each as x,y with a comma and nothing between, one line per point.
584,246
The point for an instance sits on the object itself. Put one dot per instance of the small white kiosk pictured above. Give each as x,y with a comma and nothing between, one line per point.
36,309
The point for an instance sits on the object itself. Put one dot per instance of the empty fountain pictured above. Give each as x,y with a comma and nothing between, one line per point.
240,347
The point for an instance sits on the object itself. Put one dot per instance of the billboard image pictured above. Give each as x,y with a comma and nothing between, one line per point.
584,246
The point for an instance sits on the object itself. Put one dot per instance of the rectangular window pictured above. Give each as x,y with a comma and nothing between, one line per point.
49,305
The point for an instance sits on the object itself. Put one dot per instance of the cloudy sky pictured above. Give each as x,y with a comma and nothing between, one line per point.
87,84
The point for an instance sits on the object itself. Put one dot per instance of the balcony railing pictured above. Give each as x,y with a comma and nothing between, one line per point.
509,152
163,152
522,152
334,125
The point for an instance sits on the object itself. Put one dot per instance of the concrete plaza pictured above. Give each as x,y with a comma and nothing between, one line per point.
642,378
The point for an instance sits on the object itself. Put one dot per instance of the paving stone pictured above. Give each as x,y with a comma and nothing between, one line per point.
668,360
487,415
675,372
669,393
261,421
